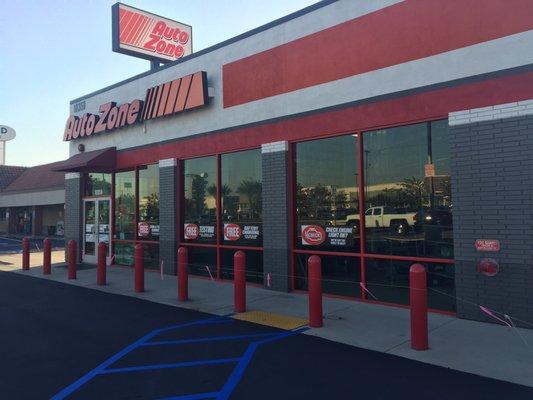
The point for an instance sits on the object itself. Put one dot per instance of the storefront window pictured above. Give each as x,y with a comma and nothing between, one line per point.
340,275
125,205
148,226
254,265
241,193
200,193
98,184
327,194
388,281
408,207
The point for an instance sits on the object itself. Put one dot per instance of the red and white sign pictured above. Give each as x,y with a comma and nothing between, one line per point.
143,229
487,245
232,232
191,231
313,235
142,34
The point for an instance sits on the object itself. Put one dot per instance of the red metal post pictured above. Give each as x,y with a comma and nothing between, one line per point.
183,274
314,267
25,254
100,269
419,307
72,258
139,268
239,281
47,256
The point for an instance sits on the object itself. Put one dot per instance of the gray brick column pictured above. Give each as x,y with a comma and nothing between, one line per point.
167,215
73,210
492,188
276,250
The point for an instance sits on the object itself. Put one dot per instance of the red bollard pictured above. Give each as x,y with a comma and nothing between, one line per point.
72,259
239,281
314,267
139,268
25,254
419,307
100,269
183,274
47,256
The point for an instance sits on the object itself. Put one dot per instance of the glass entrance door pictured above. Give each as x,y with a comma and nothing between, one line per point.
96,227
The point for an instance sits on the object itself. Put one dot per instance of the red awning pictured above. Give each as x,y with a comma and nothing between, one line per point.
92,161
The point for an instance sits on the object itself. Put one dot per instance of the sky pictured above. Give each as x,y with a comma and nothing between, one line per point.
57,50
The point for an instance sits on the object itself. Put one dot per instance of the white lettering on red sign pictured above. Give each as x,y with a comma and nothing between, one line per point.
143,229
190,231
487,245
313,235
232,232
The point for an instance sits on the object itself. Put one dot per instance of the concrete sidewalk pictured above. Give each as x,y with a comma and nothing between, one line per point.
489,350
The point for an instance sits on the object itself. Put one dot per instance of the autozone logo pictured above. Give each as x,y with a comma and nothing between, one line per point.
169,98
232,232
191,231
313,235
146,35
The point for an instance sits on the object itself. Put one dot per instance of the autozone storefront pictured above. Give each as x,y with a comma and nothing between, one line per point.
357,155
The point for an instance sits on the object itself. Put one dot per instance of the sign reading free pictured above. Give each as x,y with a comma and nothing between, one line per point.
142,34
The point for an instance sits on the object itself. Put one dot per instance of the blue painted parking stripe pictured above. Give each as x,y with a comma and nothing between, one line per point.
239,369
173,365
207,339
199,396
91,374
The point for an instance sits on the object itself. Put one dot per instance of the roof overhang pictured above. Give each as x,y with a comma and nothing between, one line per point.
92,161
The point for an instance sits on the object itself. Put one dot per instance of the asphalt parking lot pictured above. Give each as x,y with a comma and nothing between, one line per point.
61,341
12,245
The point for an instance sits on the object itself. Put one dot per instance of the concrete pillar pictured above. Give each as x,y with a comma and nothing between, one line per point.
276,249
167,215
73,210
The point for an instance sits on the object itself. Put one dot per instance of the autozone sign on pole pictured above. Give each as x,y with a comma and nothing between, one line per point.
142,34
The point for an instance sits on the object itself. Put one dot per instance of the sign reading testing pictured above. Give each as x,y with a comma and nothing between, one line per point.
150,36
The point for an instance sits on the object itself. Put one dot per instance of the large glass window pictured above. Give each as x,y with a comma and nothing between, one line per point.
148,225
241,193
327,194
408,207
125,205
200,194
98,184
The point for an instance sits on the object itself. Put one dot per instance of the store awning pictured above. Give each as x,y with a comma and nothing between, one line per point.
92,161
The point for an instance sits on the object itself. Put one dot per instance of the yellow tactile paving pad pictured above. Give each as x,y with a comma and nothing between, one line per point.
271,319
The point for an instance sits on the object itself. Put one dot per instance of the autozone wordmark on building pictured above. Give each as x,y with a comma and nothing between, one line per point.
168,98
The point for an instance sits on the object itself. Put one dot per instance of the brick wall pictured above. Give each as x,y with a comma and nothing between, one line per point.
276,251
167,215
73,210
492,188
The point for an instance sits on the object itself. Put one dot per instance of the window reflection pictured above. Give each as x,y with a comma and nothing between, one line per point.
327,194
200,192
148,227
124,205
242,198
98,184
408,206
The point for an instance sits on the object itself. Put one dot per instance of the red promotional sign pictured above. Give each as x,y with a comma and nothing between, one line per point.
143,229
313,235
142,34
232,232
190,231
487,245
